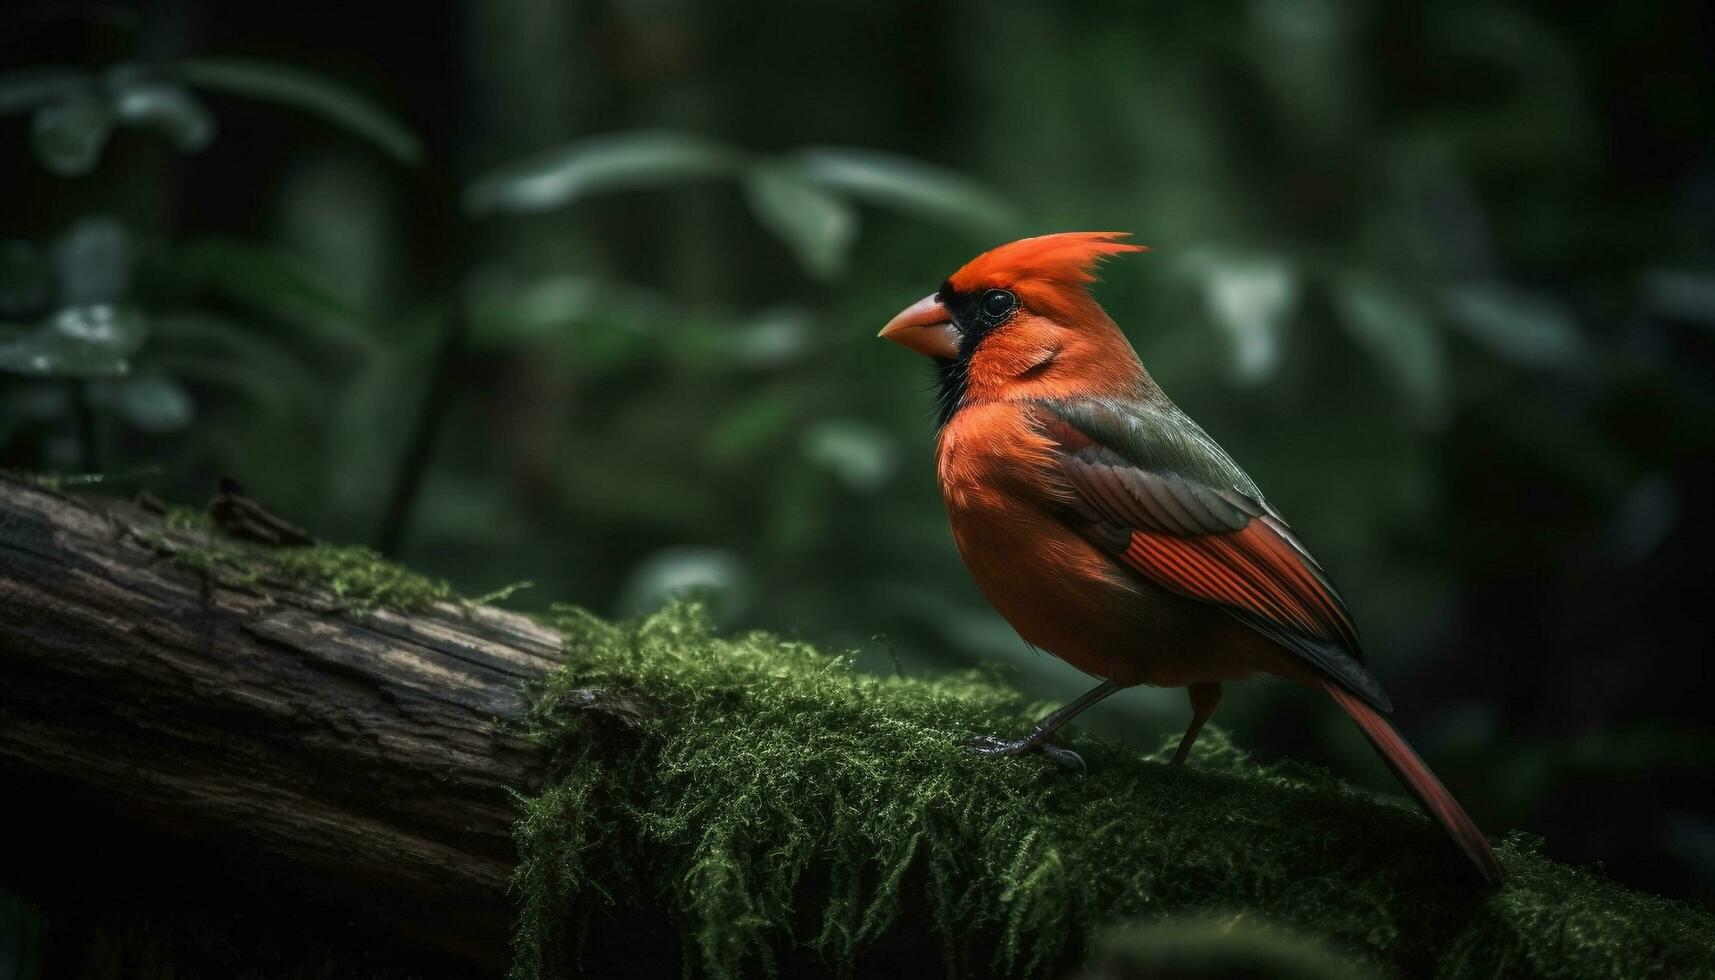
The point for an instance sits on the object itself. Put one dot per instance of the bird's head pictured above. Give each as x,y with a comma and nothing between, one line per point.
1019,321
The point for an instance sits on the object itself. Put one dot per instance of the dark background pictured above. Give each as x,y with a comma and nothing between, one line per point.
1439,275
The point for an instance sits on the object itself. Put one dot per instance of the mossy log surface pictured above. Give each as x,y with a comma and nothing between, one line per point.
250,707
733,805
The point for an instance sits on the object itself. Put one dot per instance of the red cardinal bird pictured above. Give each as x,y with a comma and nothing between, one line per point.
1109,529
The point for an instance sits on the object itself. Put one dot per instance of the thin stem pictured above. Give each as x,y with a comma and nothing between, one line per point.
441,186
426,431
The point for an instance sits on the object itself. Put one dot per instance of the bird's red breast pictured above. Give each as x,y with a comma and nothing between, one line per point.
1062,593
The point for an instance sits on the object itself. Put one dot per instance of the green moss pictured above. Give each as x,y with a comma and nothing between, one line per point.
359,578
777,800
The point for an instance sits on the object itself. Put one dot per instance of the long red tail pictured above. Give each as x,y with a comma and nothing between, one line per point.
1417,776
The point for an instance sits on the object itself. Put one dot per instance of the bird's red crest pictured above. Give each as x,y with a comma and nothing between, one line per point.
1069,258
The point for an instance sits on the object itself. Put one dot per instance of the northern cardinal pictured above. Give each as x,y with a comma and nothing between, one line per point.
1109,529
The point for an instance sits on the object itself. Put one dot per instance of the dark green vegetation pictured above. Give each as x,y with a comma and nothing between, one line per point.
771,796
585,292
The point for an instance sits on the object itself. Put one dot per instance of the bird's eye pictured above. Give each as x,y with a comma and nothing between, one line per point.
998,303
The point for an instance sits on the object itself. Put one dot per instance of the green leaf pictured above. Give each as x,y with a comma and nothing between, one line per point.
297,88
28,88
817,226
621,161
509,312
229,354
714,576
92,261
25,281
142,97
603,324
68,133
1398,332
1518,324
90,341
153,403
906,185
1251,300
755,424
1681,294
859,454
271,282
773,339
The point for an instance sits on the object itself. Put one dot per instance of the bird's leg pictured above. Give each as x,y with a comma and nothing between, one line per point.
1038,739
1205,695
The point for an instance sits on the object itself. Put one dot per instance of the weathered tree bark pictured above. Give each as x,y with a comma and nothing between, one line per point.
367,752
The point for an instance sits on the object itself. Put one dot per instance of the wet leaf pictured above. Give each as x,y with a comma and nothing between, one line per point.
773,339
308,91
507,311
234,356
92,261
1251,300
861,455
143,98
68,133
1685,295
714,576
903,184
154,404
605,324
1399,332
815,225
272,284
29,88
757,423
622,161
91,341
1521,325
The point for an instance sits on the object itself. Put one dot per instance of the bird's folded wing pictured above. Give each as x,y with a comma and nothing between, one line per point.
1155,492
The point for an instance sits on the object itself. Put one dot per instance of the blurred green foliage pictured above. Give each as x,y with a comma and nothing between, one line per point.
1439,275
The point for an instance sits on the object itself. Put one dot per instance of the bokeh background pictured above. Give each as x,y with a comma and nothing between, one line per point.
584,292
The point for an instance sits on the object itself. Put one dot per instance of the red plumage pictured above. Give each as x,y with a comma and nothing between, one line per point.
1108,528
1417,776
1068,258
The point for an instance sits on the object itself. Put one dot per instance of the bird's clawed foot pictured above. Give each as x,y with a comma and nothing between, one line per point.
992,745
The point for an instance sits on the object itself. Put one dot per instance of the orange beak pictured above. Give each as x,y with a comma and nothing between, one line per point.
926,327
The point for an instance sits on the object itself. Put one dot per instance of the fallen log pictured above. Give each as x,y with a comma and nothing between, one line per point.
311,717
365,749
